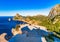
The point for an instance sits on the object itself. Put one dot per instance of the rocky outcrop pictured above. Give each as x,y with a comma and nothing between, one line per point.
54,11
2,37
15,32
17,17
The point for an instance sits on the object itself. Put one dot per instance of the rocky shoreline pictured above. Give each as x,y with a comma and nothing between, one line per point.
2,37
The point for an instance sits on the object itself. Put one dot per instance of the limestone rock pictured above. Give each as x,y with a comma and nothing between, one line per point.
54,11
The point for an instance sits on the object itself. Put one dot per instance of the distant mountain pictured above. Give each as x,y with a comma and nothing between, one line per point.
54,11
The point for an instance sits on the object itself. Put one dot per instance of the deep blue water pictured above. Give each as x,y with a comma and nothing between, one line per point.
6,26
33,35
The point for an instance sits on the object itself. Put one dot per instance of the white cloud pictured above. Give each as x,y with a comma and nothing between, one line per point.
25,12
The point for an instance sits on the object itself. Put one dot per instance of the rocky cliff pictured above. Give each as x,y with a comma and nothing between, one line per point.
54,11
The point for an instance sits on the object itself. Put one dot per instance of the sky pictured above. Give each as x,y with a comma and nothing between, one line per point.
26,7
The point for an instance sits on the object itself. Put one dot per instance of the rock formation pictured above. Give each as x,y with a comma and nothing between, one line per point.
15,32
2,37
54,11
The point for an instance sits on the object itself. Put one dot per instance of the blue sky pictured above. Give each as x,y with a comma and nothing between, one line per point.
26,7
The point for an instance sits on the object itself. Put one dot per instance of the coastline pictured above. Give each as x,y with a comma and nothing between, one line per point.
2,37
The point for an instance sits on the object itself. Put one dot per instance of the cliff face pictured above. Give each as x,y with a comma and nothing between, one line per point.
17,17
54,11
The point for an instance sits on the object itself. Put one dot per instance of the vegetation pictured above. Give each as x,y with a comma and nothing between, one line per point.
17,27
42,21
51,22
52,25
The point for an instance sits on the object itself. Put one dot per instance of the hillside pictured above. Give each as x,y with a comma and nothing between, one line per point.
54,11
51,22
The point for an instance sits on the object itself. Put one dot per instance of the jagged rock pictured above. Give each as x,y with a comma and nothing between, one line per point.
15,32
54,11
17,15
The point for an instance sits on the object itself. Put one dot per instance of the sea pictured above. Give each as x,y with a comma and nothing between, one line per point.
6,26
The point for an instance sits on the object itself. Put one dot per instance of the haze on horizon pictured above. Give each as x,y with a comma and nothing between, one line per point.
26,7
